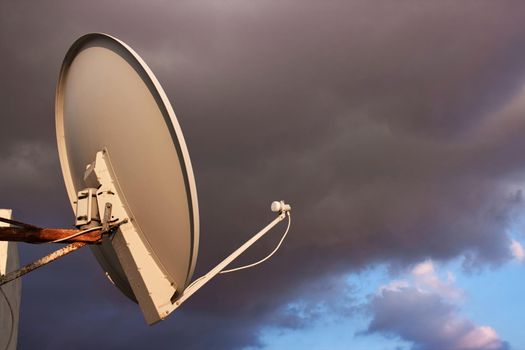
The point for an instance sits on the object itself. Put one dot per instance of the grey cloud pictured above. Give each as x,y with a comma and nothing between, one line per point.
385,124
27,164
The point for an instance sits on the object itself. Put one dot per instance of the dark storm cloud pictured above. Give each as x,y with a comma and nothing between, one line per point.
393,128
24,162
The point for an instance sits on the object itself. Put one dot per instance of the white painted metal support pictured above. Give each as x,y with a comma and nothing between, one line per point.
9,293
200,282
150,284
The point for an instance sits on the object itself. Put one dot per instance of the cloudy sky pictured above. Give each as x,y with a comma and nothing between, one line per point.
395,129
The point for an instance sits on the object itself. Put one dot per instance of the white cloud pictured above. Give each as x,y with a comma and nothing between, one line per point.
517,250
424,268
395,285
424,277
482,337
424,309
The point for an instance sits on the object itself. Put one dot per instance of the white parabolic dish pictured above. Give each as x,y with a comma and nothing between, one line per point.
108,98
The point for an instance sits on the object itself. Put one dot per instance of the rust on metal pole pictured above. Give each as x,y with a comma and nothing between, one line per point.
22,232
43,235
40,262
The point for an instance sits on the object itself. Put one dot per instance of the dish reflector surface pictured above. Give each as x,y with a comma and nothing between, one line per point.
108,98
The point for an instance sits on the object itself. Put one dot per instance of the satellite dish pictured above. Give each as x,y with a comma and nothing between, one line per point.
109,100
129,179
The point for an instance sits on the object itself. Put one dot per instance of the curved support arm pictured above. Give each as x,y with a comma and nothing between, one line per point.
201,281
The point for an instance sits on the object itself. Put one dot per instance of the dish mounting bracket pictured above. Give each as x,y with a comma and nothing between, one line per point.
151,286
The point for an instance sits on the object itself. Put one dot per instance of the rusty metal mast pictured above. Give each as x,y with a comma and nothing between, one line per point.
23,232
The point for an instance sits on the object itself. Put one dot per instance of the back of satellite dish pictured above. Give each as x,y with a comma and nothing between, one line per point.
130,181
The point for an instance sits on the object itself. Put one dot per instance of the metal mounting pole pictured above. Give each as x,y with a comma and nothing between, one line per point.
40,262
22,232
